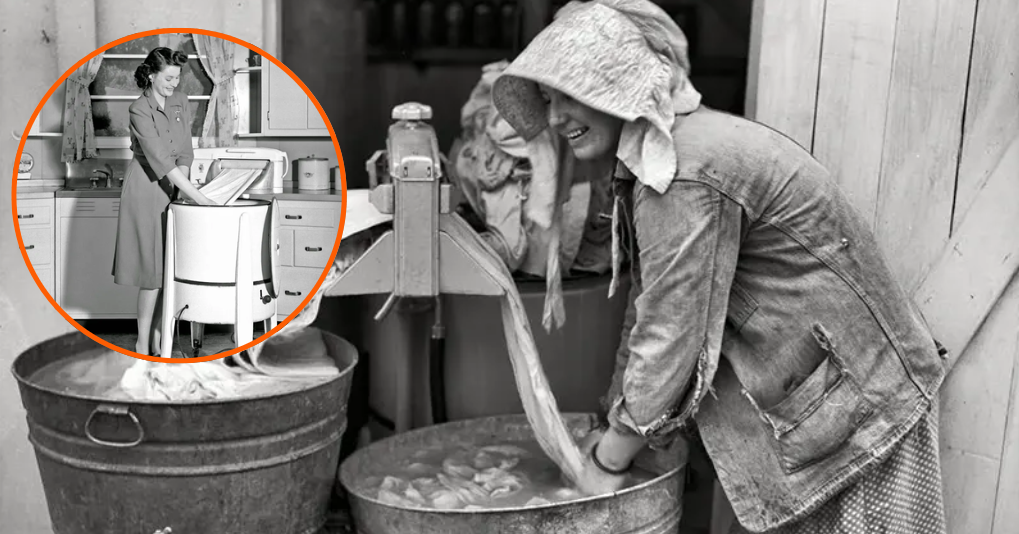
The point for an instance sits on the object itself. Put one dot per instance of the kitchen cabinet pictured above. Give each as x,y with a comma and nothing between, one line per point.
286,108
86,237
308,232
35,220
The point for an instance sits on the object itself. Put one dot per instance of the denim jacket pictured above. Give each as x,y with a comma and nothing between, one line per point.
766,313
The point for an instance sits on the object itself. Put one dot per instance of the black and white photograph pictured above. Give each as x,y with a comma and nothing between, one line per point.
605,266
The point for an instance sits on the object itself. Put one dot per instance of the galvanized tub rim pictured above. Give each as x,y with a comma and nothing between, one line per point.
354,457
40,347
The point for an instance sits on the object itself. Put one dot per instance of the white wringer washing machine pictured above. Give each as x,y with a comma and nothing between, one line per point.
221,263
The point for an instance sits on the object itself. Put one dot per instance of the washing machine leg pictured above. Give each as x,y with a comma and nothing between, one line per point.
169,294
244,325
197,337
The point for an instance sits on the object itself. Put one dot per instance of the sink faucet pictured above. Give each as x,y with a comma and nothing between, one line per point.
107,170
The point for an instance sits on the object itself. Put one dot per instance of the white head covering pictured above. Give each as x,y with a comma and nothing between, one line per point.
626,58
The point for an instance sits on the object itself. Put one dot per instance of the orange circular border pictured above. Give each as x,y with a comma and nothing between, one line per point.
339,231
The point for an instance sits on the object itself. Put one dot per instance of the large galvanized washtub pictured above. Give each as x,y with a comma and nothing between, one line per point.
252,465
653,507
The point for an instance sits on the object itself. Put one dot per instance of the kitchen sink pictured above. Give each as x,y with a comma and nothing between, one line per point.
89,192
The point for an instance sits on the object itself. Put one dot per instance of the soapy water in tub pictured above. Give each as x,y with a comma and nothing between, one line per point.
511,474
111,375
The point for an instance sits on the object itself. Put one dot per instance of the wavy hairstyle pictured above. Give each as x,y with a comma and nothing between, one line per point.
157,60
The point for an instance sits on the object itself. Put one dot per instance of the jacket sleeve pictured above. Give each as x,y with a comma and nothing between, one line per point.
688,240
156,149
187,152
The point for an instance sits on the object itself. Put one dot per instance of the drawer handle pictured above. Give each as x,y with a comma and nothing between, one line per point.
29,216
292,217
29,247
313,249
294,293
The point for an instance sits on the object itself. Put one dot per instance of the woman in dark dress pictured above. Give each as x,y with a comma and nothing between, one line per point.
161,143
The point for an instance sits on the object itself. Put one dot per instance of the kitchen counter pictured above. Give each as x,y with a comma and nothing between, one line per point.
25,193
99,192
291,192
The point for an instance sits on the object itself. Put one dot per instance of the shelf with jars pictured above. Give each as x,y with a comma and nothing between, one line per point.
442,31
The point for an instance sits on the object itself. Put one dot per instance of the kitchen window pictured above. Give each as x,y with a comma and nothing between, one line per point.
114,87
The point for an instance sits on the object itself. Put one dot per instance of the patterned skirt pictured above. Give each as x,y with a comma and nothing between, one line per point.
903,495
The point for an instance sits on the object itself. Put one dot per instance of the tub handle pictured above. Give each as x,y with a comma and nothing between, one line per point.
114,410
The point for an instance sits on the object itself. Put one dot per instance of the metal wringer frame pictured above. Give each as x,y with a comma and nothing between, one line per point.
419,258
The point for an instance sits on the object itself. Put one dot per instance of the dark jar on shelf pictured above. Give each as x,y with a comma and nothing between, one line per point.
373,15
484,24
426,24
398,24
454,18
508,25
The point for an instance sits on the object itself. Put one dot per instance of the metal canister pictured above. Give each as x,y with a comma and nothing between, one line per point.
313,173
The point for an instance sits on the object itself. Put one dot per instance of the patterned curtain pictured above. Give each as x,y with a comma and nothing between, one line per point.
79,134
217,57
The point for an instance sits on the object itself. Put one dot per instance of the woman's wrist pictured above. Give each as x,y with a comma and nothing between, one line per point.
601,465
615,451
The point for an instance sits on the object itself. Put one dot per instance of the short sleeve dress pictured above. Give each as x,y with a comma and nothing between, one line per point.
160,141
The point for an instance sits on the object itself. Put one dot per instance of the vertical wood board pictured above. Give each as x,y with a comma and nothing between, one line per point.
852,99
1006,509
992,102
784,65
922,132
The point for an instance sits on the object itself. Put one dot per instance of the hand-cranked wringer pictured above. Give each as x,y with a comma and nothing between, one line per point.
419,257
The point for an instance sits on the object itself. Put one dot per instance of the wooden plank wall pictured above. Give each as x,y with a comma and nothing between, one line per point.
916,112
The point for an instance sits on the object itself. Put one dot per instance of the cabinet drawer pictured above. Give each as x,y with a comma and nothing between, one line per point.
88,207
38,245
312,247
35,215
45,275
297,284
286,247
319,214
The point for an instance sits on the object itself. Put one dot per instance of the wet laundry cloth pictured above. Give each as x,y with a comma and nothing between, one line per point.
464,478
229,184
363,225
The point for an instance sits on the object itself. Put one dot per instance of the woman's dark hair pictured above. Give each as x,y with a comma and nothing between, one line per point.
158,59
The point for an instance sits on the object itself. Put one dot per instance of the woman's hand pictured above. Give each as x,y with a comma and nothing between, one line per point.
615,452
199,198
593,480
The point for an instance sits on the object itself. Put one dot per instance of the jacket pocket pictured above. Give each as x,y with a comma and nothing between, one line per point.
817,417
741,306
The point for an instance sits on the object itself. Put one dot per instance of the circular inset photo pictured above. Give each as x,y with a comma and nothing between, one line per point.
179,197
